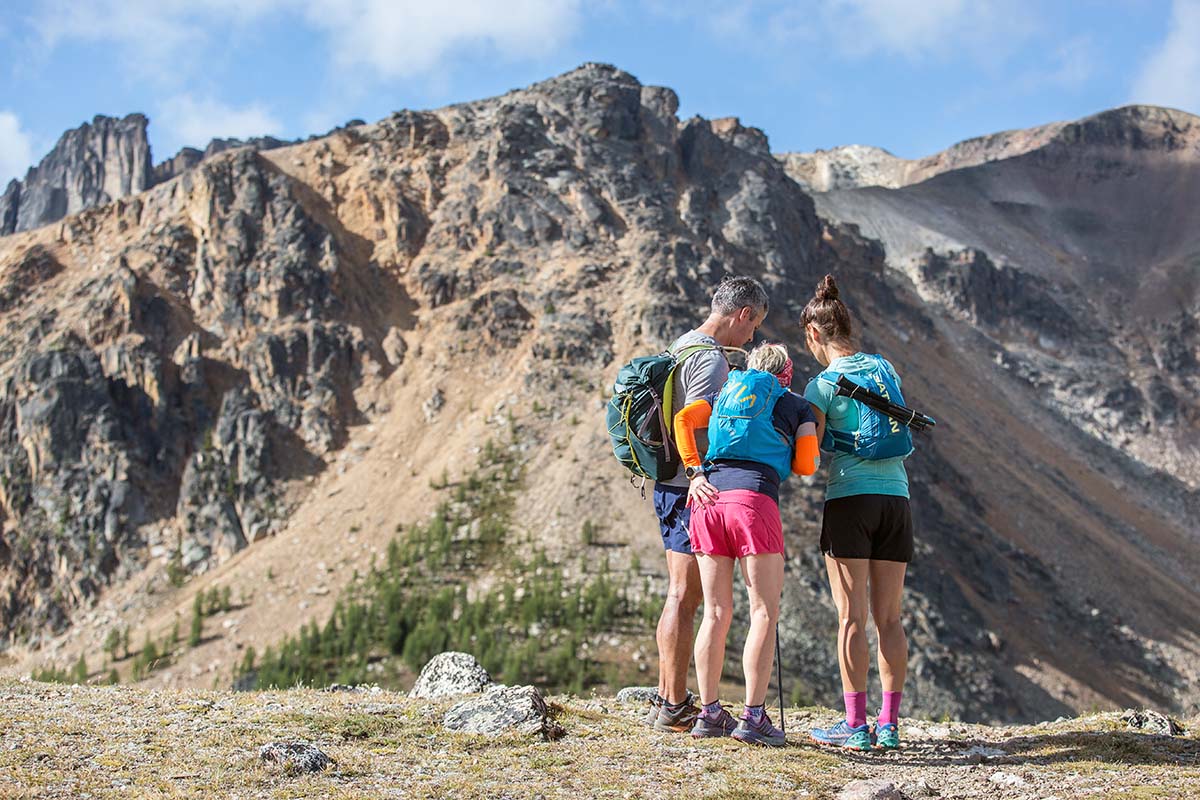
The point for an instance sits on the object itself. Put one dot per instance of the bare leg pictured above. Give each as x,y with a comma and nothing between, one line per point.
848,584
764,584
716,576
887,590
676,625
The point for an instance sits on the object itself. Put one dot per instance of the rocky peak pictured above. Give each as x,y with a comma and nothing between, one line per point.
91,165
1129,128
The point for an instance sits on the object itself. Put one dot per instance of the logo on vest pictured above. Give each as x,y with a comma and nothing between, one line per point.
744,399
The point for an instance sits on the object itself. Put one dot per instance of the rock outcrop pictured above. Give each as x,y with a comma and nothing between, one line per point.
93,164
97,163
189,157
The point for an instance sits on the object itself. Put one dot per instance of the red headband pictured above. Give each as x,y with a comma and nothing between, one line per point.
785,375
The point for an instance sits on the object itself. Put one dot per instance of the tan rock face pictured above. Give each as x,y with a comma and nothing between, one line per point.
189,375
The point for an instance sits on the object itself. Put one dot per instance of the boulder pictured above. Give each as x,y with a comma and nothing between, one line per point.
637,694
449,674
295,757
1152,722
503,709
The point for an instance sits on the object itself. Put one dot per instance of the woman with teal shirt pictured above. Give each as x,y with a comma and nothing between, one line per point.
866,531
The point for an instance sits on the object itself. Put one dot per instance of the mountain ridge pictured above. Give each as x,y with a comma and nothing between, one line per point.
861,166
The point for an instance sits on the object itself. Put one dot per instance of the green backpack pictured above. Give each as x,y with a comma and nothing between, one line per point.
637,424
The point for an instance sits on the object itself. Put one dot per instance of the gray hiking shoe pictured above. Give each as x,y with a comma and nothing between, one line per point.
760,732
652,713
677,719
707,727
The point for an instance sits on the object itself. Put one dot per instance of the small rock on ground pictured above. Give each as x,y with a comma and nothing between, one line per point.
501,709
1006,779
870,790
294,756
449,674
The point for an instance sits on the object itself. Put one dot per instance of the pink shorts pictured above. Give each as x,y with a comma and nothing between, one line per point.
741,523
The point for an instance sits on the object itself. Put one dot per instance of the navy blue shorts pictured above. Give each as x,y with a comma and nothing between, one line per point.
670,506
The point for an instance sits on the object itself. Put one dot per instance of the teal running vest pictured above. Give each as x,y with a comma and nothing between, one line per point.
741,425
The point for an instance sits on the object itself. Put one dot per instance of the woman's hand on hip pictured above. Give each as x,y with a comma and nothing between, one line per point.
701,492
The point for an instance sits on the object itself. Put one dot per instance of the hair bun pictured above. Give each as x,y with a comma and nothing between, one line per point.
827,289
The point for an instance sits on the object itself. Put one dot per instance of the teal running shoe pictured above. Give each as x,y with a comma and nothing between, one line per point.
842,735
886,735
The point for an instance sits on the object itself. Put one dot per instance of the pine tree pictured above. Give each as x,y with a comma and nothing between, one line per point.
80,673
113,643
149,654
197,631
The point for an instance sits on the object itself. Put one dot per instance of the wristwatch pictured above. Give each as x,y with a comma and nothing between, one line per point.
692,472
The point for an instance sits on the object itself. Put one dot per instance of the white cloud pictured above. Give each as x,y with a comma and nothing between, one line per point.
1171,76
394,38
985,31
899,26
191,121
402,38
1073,64
16,149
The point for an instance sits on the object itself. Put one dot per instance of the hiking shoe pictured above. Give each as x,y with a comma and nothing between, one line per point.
707,727
842,735
886,735
677,719
761,732
656,704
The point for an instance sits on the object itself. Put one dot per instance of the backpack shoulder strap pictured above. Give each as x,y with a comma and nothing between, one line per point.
683,355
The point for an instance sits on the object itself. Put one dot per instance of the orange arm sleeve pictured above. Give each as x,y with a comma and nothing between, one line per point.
692,416
807,456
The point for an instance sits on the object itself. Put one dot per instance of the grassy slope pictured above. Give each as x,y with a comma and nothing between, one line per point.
64,741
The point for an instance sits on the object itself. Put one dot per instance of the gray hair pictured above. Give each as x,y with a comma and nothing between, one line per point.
768,357
737,293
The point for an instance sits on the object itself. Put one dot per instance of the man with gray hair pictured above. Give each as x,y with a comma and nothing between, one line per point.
739,306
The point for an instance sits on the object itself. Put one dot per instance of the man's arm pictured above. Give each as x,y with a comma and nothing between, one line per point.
694,415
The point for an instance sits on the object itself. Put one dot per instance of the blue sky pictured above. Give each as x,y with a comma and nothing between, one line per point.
912,76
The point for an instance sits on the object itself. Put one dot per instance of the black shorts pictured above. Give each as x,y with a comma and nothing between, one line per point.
877,526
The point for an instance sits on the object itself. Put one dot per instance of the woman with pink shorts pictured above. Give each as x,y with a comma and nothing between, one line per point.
758,433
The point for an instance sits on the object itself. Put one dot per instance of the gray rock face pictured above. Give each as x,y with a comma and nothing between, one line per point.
449,674
294,757
93,164
189,157
97,163
504,709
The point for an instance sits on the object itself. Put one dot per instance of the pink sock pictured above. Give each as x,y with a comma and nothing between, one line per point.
856,708
891,707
